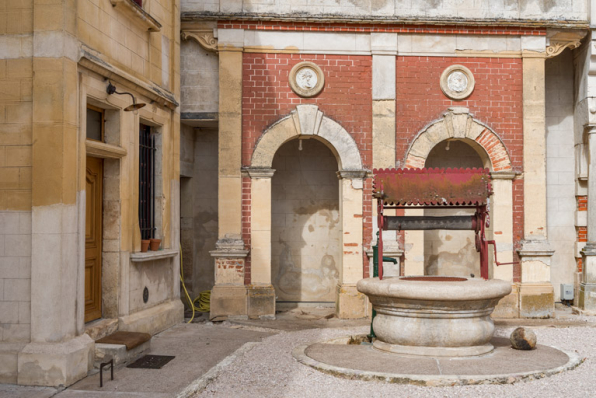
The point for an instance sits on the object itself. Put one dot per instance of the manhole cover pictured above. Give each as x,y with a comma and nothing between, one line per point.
151,362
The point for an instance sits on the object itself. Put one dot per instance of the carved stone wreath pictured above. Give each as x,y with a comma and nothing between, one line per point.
306,79
457,82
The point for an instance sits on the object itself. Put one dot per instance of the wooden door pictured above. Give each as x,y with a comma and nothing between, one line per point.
93,222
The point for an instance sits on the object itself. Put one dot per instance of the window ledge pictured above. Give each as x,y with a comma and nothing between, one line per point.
140,15
152,256
103,150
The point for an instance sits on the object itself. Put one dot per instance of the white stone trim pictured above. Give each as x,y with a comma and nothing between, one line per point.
153,255
306,122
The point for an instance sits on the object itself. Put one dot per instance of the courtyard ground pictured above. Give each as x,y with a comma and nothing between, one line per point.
252,358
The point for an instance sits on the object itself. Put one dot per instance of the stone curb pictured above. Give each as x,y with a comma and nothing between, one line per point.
299,353
199,384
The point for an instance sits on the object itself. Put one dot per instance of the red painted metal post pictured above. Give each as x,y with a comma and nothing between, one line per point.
380,223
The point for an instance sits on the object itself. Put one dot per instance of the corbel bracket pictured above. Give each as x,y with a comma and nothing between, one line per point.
204,37
562,40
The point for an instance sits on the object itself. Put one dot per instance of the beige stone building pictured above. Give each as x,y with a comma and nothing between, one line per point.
304,99
83,179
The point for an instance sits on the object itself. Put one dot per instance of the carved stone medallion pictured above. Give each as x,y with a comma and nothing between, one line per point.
306,79
457,82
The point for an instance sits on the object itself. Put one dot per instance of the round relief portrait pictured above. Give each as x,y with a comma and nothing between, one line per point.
306,79
457,82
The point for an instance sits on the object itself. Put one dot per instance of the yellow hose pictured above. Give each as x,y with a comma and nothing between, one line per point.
203,297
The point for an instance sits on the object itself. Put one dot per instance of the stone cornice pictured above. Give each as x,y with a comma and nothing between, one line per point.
378,19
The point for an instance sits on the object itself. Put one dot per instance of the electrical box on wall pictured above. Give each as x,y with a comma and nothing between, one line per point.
566,292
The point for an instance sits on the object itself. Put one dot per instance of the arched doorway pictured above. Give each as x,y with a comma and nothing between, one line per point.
307,122
305,223
451,253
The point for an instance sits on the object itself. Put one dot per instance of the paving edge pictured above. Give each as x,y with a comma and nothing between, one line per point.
299,353
202,382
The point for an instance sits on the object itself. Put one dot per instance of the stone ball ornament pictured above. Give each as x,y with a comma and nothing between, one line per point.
306,79
457,82
523,339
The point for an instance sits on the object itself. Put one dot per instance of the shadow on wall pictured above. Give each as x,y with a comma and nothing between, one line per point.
306,228
451,253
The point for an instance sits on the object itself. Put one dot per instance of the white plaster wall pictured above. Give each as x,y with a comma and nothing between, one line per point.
510,9
451,253
15,276
560,168
199,78
306,227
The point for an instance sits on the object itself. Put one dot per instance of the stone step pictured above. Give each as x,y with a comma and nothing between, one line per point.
122,347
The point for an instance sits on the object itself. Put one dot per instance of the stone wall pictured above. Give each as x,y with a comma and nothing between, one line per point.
199,78
451,253
560,168
424,9
305,224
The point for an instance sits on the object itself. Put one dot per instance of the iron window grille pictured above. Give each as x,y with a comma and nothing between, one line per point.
146,182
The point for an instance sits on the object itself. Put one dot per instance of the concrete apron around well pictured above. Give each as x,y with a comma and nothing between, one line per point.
352,357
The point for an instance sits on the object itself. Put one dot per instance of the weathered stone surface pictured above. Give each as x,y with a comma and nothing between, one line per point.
434,318
523,339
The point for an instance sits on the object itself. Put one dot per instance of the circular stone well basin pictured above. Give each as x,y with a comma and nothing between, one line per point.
434,316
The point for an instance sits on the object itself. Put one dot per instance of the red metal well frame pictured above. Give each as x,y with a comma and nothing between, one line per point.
437,188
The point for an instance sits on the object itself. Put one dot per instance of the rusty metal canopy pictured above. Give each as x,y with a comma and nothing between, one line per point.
432,186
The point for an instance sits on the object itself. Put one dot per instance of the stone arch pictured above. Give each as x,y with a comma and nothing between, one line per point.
307,121
458,123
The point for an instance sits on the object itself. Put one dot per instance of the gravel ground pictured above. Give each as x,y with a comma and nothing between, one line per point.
269,370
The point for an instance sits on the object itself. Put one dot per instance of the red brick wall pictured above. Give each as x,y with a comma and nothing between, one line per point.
582,232
496,101
246,222
267,97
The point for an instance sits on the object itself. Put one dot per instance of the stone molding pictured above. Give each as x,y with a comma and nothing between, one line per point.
259,173
352,174
562,40
376,19
141,16
458,123
536,250
307,121
503,175
103,150
92,61
589,249
153,255
204,37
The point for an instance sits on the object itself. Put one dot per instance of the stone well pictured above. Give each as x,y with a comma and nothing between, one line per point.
434,315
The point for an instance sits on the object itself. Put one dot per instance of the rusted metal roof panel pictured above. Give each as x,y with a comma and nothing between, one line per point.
432,186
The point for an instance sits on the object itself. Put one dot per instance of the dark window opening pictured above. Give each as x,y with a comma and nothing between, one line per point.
95,123
146,182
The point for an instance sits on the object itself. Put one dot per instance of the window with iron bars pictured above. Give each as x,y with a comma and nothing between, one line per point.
146,182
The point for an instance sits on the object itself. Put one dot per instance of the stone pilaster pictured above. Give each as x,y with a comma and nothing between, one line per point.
261,294
384,50
229,295
349,302
536,295
587,289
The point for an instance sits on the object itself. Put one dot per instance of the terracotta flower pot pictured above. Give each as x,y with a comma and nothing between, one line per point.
145,245
155,244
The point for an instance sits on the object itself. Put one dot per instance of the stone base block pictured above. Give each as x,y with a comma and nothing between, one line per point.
119,353
536,300
350,303
261,302
228,300
153,320
9,354
508,307
55,364
101,328
586,298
